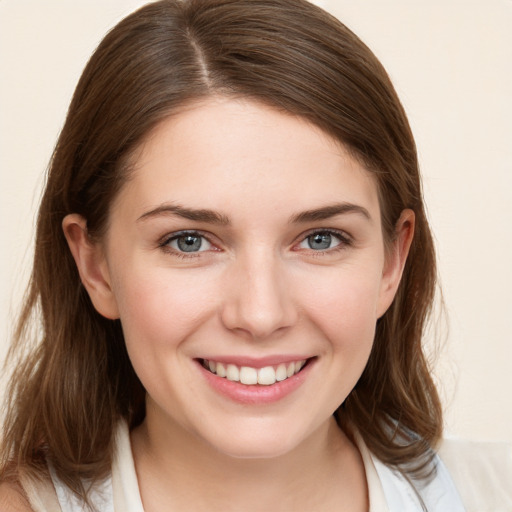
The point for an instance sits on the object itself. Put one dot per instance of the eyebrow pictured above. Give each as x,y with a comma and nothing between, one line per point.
326,212
199,215
213,217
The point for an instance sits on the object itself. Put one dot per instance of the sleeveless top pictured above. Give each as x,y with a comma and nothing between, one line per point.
482,472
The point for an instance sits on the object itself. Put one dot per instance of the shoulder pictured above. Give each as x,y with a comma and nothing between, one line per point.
12,498
482,473
28,491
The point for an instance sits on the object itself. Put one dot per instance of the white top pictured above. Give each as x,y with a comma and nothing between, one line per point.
471,477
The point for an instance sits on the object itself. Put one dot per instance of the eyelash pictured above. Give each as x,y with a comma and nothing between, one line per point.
164,244
344,239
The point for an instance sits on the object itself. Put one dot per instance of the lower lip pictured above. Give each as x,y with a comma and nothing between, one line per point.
255,394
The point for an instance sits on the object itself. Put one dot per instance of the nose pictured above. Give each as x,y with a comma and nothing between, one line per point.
257,297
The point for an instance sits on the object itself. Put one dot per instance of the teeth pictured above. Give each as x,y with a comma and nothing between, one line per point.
250,376
266,376
281,373
221,370
232,372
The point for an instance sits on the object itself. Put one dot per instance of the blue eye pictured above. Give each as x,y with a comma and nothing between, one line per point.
322,241
188,242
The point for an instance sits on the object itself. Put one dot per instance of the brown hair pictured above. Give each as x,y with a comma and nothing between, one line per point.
76,382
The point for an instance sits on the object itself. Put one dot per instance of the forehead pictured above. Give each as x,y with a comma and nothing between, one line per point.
223,153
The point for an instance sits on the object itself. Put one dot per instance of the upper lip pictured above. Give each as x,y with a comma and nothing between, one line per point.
257,362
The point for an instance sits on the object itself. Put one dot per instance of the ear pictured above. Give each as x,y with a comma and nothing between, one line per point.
396,256
92,265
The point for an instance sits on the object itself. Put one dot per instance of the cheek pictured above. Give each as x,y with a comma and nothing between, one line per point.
159,312
344,306
160,307
341,310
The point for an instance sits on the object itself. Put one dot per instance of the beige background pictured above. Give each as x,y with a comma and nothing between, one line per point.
451,63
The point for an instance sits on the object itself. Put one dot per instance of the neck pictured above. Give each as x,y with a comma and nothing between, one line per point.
179,471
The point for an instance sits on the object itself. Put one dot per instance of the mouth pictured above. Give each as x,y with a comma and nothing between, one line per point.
250,376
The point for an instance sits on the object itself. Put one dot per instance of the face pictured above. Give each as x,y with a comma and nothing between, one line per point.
245,259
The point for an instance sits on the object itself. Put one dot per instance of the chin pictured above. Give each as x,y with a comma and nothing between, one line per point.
255,449
260,441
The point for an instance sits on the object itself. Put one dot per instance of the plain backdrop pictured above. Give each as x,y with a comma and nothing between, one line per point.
451,63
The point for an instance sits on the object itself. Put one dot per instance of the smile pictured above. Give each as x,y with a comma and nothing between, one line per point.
250,376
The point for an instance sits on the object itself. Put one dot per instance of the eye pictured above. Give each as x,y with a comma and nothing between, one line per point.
323,241
188,242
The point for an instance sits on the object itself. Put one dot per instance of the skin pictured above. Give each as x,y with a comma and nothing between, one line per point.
255,288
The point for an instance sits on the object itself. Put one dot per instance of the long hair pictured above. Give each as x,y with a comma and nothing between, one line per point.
74,381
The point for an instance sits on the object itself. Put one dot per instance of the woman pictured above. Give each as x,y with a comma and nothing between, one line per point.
234,269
